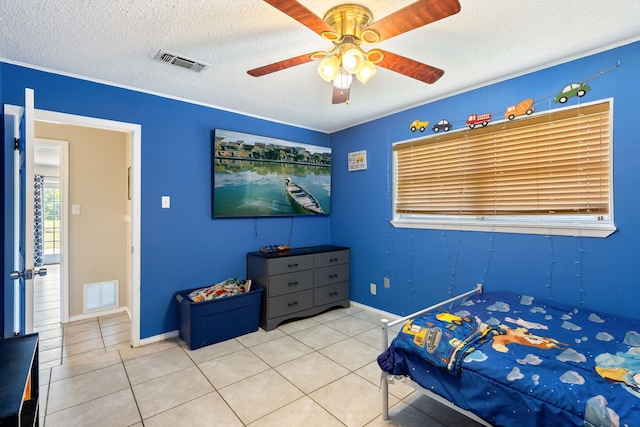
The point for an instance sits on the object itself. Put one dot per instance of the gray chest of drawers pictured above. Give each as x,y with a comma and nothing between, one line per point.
300,282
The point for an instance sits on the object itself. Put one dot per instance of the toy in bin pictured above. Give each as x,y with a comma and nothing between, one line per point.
226,288
225,310
274,248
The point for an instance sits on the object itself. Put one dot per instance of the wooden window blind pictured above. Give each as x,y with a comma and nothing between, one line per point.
552,164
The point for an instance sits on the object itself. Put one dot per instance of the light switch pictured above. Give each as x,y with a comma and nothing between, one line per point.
75,209
166,202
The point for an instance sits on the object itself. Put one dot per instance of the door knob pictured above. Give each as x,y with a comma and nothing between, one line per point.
28,273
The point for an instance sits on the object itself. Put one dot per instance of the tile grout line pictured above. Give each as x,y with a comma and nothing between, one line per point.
130,387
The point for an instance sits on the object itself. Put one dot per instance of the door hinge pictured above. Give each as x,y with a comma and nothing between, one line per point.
16,143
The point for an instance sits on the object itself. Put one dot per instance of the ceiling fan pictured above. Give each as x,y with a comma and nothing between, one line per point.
347,27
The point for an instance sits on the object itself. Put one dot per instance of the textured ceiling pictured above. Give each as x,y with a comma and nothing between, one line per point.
116,42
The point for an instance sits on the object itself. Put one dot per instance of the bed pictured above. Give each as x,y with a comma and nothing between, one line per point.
512,360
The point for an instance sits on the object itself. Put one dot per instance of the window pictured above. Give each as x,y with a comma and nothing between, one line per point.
545,174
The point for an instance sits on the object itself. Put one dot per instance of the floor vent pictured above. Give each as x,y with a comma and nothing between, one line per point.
100,296
181,61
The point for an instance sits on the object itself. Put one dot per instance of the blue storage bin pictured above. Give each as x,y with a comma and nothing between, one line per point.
209,322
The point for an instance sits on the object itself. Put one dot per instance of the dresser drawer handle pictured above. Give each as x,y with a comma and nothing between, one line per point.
292,304
333,276
333,259
333,294
294,283
293,265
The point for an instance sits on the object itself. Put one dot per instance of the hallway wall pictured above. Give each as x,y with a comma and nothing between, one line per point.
98,250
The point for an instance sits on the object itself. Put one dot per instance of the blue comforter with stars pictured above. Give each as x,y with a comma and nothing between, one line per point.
528,363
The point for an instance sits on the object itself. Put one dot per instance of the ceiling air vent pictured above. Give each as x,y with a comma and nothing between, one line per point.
181,61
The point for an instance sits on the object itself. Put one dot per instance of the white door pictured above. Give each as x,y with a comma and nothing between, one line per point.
23,270
13,320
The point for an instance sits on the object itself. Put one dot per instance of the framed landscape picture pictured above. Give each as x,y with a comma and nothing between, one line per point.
258,176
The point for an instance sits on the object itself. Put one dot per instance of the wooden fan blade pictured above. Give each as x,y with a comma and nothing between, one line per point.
281,65
340,96
409,67
415,15
302,15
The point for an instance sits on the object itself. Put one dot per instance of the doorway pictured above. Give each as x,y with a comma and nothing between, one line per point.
131,187
18,317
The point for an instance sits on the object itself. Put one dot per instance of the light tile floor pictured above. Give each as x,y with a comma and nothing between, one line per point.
319,371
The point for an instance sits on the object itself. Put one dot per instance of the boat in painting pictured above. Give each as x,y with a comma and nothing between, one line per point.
302,198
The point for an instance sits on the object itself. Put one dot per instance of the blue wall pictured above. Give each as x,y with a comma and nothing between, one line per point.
425,266
182,247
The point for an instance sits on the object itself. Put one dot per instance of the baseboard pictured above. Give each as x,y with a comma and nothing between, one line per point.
161,337
95,314
383,314
176,333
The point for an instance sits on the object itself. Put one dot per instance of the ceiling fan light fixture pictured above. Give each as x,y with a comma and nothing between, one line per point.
347,26
329,68
366,72
352,60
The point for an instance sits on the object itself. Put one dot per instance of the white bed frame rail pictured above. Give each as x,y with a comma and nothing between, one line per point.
386,324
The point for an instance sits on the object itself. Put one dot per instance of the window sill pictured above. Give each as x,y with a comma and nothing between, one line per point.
574,230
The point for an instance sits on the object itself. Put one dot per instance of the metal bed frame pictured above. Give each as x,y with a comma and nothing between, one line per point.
386,324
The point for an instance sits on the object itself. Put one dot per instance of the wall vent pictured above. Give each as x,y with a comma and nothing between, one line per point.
181,61
100,296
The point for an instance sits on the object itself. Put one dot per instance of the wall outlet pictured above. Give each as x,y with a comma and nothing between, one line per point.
373,289
386,283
